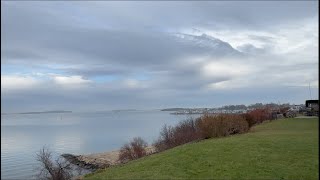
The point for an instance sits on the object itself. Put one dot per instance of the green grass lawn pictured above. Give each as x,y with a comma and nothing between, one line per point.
282,149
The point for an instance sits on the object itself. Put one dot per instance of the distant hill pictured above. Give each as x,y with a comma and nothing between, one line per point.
174,109
39,112
119,110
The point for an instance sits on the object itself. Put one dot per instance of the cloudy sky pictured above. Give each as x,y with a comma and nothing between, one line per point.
85,56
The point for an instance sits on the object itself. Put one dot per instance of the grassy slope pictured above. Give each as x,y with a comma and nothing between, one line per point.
283,149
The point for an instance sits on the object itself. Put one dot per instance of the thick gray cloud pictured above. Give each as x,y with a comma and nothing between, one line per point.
156,54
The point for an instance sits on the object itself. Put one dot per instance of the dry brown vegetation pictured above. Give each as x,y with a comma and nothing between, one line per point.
257,116
211,126
186,131
190,130
133,150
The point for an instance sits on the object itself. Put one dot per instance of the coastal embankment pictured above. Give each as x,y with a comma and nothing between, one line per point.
99,160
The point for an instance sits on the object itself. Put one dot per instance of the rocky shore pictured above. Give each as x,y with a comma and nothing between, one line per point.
98,160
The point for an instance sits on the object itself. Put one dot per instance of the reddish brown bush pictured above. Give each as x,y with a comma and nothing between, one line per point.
186,131
257,116
249,118
133,150
207,126
221,125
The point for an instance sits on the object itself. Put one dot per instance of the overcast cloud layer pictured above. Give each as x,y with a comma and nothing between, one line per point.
85,56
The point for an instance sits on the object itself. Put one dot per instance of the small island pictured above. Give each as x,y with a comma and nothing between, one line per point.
39,112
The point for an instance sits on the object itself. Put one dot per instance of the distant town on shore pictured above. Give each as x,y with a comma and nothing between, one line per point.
233,108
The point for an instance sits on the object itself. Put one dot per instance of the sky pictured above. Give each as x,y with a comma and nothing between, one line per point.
104,55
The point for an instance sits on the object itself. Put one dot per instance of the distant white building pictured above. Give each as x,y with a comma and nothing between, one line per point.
295,108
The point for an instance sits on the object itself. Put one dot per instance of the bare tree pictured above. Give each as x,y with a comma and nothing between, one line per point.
58,169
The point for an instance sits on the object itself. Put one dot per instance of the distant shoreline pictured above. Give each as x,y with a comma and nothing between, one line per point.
38,112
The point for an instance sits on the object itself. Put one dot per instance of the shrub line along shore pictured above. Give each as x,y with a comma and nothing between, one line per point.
287,148
189,130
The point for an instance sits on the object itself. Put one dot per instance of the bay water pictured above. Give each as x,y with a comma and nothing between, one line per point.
23,135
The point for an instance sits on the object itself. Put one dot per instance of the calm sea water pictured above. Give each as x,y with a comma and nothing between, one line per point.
23,135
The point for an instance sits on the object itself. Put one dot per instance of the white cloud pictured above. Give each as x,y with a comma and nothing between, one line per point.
237,38
219,85
226,69
134,84
237,82
70,80
280,39
13,82
270,76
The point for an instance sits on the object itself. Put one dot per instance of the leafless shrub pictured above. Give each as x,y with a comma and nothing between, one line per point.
133,150
185,132
165,141
58,169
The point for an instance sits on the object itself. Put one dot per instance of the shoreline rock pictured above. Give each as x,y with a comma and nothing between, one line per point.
98,160
78,161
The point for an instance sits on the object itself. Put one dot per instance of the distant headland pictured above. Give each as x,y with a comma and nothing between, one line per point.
39,112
